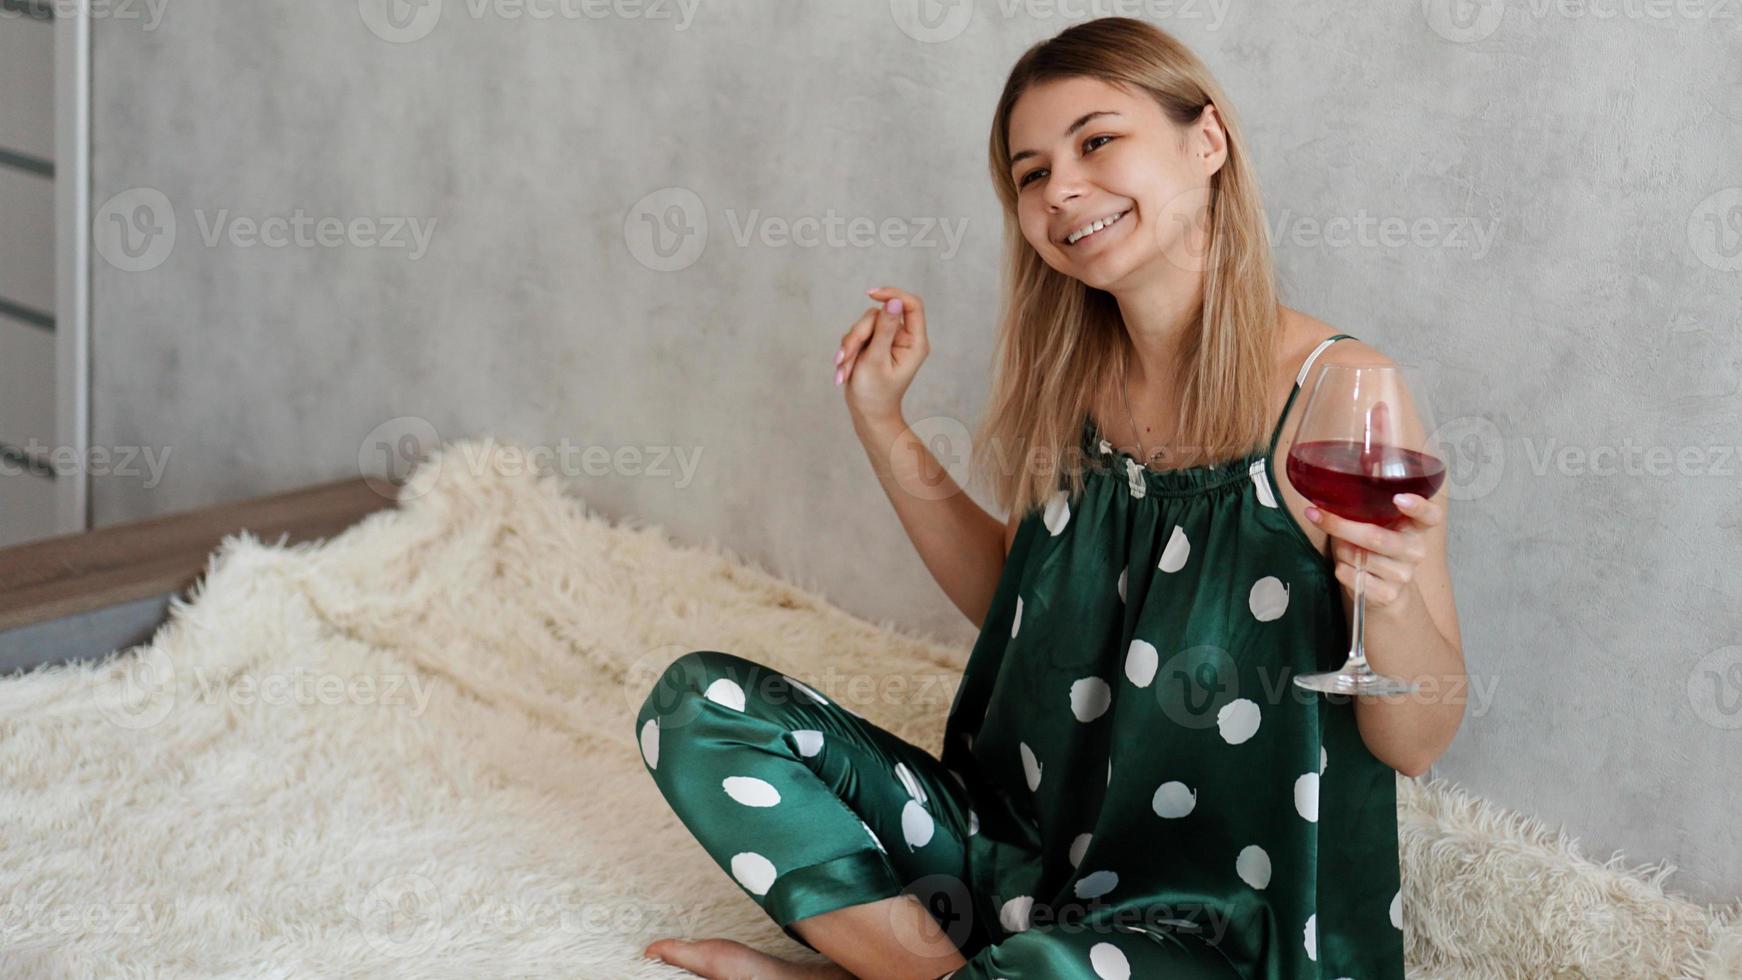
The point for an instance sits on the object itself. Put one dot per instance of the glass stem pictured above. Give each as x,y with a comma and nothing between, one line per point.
1358,644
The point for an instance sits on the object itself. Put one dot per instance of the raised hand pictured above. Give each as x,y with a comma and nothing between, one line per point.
881,353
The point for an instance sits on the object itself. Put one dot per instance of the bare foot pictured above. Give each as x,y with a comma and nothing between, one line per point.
726,959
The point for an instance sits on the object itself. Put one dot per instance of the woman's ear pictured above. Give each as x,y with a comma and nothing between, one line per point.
1212,139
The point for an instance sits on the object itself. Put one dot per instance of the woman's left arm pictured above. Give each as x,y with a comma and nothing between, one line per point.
1411,630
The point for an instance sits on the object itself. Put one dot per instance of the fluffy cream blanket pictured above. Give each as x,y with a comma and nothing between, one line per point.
407,752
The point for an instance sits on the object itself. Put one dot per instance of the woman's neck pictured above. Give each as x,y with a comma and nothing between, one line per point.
1158,317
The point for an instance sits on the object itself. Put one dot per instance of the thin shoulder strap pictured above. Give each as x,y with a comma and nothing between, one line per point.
1300,379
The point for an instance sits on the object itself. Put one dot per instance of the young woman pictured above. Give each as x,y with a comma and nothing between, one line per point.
1130,784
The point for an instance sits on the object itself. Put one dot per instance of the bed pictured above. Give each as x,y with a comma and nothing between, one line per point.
343,733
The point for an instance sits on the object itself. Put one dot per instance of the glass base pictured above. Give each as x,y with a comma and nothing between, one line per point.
1361,682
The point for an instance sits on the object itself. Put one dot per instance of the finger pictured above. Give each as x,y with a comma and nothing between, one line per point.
860,330
913,308
1381,566
1401,546
884,326
905,337
888,325
854,342
1421,510
1379,423
1377,590
1369,536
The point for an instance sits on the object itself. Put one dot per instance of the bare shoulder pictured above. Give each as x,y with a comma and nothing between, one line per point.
1301,333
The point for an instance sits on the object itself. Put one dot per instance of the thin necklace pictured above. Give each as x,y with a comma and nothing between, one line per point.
1160,452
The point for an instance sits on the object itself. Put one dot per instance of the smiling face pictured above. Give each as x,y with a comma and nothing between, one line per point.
1087,151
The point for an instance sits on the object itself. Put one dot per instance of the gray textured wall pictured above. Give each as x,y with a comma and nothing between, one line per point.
1542,204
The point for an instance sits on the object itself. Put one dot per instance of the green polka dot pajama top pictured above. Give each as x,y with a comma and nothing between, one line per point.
1130,786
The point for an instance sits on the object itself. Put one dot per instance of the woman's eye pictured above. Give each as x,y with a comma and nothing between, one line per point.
1087,146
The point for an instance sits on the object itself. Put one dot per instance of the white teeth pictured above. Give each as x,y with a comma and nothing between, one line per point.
1093,227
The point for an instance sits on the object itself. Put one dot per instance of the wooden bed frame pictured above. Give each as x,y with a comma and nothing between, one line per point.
83,596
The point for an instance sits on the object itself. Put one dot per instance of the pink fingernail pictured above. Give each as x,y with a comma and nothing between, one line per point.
838,377
840,355
894,305
1312,513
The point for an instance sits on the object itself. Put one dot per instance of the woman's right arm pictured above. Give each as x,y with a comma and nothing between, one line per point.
962,546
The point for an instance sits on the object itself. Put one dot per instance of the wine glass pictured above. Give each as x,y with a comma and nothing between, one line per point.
1361,440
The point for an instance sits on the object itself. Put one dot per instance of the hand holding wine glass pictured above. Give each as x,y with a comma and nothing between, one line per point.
1363,446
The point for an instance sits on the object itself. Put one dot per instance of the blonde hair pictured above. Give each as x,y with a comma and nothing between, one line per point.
1060,340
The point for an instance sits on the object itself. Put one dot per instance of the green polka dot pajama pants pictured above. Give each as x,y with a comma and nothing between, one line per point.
810,808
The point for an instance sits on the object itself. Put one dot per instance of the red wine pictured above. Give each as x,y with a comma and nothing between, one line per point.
1355,481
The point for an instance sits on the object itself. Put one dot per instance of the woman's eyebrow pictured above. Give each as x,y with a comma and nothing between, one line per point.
1082,121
